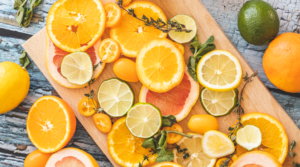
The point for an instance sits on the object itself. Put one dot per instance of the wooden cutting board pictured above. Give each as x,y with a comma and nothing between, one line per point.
257,98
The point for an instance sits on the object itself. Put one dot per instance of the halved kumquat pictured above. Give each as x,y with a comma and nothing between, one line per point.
102,122
87,107
109,50
113,15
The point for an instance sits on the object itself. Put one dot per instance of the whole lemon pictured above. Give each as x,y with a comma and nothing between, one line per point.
202,123
14,85
281,62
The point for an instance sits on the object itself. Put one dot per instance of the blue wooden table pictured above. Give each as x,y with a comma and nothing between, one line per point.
14,142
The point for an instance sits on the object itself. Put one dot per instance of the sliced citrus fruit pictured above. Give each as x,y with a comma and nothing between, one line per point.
160,65
102,122
75,26
126,2
109,50
180,47
257,158
113,15
177,101
77,67
143,120
126,149
249,137
87,107
71,157
116,97
219,71
54,57
195,150
217,144
218,103
132,33
274,137
167,164
189,23
51,124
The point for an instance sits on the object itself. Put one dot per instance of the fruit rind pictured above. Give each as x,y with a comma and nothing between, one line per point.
253,159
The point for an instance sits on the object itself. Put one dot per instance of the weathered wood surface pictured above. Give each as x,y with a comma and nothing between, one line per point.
13,134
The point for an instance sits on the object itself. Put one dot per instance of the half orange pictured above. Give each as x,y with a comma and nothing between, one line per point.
51,124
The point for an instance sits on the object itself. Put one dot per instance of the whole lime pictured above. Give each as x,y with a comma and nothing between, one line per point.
14,85
258,22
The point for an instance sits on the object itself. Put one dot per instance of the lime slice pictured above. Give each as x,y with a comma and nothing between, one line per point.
77,68
115,97
218,103
219,71
190,24
143,120
249,137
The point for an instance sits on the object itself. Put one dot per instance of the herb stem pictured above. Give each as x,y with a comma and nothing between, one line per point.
179,133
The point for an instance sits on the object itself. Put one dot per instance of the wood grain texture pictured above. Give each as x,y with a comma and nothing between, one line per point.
257,97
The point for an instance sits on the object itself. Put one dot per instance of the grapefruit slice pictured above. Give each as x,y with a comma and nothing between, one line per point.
257,158
178,101
71,157
54,57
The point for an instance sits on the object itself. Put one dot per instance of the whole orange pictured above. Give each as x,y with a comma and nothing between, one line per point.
36,159
281,62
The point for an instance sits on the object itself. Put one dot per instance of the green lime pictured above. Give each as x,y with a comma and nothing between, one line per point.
218,103
116,97
190,24
77,67
144,120
249,137
258,22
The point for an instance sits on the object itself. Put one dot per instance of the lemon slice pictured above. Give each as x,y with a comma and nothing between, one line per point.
77,68
216,144
219,71
194,149
190,24
218,103
115,97
249,137
143,120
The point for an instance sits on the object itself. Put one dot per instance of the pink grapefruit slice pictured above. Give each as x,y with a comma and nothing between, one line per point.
178,101
55,55
71,157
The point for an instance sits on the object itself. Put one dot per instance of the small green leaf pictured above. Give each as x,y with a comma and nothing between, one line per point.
204,49
150,143
210,40
19,3
27,17
162,143
293,145
24,60
168,120
20,15
164,155
192,66
34,3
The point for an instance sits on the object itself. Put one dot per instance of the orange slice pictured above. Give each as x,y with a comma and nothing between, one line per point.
51,124
113,15
274,137
75,25
160,65
180,47
132,33
109,50
126,149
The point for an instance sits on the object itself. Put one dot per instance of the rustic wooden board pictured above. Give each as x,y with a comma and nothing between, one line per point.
257,97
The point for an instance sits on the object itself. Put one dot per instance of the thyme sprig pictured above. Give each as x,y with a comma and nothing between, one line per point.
146,157
292,154
184,151
158,24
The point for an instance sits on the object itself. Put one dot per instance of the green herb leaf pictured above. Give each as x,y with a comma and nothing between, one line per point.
162,143
293,145
24,60
210,40
204,49
150,143
19,3
20,15
34,3
168,120
27,17
164,155
192,66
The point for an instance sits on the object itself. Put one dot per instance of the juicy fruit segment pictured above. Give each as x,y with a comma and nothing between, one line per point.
126,149
113,15
14,85
217,144
190,24
195,150
71,157
115,97
102,122
218,103
125,69
51,124
219,71
109,50
160,65
274,141
77,68
177,101
132,34
256,158
202,123
167,164
37,159
172,137
248,137
143,120
76,25
86,106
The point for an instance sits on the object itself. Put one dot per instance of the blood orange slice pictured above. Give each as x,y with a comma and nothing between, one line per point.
178,101
54,57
